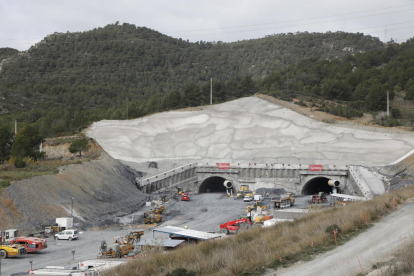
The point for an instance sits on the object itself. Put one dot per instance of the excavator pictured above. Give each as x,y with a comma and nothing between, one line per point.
121,246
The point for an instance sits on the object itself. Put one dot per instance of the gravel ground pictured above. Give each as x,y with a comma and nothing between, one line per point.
204,212
101,189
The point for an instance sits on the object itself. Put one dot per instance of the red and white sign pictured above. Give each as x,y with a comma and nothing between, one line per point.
315,168
223,166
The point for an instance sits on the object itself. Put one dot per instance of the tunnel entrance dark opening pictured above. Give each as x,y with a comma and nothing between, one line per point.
316,185
213,184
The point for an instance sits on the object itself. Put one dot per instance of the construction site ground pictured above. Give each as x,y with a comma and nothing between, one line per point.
204,212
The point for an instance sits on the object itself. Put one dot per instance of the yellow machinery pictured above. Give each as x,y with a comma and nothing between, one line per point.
179,190
152,217
284,200
121,246
259,219
260,204
159,209
244,189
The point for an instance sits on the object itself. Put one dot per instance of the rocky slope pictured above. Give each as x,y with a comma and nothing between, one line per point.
101,189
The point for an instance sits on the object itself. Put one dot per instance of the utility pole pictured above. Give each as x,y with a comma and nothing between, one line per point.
127,108
71,207
211,91
388,103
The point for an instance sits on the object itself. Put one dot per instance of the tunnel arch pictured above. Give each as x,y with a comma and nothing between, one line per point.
316,185
212,184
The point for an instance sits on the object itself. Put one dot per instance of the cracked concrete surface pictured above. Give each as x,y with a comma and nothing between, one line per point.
246,130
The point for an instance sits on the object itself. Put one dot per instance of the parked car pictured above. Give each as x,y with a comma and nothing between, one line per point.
248,198
67,235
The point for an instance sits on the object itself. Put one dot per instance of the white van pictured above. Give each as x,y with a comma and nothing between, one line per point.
258,197
67,235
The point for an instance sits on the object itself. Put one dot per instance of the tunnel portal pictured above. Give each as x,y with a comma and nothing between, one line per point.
316,185
213,184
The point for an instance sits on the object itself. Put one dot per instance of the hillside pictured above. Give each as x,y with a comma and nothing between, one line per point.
69,80
101,189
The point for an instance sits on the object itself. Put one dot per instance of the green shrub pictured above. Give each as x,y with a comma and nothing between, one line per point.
19,163
4,184
181,272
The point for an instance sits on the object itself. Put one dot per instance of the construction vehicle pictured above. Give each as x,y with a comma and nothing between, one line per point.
235,226
121,246
152,217
185,197
9,235
284,201
159,209
319,198
259,204
8,250
31,244
179,190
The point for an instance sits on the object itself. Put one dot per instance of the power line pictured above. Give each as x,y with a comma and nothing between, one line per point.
272,28
288,21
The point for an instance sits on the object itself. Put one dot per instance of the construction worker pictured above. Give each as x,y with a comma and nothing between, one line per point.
185,226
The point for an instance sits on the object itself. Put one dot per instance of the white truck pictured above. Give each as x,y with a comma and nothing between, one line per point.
258,197
64,223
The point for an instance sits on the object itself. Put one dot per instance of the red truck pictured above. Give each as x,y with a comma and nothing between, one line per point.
30,243
185,197
234,226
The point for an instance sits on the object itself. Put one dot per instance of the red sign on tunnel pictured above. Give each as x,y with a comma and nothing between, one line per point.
316,168
223,166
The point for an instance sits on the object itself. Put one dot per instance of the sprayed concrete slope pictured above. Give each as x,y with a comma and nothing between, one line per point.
246,130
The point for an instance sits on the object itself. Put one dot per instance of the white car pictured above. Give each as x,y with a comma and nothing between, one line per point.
248,198
67,235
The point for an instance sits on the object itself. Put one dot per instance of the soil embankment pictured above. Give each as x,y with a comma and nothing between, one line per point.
101,189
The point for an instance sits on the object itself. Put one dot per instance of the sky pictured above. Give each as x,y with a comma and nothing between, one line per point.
26,22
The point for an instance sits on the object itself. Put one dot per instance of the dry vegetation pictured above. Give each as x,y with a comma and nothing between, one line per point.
251,251
49,166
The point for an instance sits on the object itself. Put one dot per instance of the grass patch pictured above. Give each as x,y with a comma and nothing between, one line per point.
11,173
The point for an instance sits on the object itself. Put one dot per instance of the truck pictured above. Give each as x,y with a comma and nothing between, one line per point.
235,226
31,244
9,234
283,201
9,250
258,197
185,197
319,198
64,223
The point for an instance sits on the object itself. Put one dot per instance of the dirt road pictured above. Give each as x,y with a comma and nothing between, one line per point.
375,245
